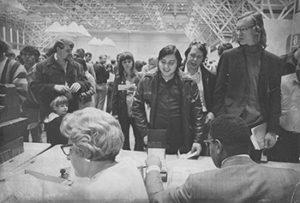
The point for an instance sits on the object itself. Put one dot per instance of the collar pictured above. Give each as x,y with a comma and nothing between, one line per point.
173,80
236,160
51,117
187,71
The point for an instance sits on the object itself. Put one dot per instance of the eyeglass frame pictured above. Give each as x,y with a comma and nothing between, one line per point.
65,146
209,141
242,29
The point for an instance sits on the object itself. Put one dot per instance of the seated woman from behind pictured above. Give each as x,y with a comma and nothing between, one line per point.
95,139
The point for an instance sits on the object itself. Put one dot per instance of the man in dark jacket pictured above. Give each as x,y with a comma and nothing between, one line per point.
195,56
59,75
248,80
175,105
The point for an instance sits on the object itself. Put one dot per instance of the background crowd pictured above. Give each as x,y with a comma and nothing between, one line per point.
181,95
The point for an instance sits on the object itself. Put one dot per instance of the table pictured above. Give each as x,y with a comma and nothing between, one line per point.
30,151
52,160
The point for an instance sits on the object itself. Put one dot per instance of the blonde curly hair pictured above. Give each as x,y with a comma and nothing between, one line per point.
96,135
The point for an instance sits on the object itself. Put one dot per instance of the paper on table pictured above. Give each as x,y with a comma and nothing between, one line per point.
126,87
258,136
161,153
187,155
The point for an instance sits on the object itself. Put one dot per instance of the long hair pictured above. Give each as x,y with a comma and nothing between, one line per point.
124,56
257,19
168,50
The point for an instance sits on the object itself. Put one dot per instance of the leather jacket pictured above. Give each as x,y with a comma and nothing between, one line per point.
191,110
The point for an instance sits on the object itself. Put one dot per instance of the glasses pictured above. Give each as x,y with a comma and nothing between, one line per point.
66,149
242,29
209,141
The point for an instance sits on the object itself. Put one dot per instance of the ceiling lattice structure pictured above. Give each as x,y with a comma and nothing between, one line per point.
210,21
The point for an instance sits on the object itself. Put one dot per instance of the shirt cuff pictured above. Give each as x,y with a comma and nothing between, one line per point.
152,168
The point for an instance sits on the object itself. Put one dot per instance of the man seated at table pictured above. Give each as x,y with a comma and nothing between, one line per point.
239,179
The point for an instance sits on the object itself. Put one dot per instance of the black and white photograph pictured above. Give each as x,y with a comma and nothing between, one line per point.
136,101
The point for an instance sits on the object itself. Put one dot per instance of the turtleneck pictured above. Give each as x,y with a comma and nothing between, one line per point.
252,48
252,112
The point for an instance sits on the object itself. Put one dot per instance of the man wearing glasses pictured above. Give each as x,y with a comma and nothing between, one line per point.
239,179
248,81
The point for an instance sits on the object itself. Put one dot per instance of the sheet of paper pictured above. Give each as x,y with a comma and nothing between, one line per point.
187,155
126,87
258,136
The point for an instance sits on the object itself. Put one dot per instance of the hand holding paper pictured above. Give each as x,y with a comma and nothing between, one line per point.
258,136
187,155
270,140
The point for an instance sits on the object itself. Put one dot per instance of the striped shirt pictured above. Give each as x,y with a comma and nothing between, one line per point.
11,72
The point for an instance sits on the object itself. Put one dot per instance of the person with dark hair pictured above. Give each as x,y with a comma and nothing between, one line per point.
124,88
101,79
114,64
139,65
238,179
195,55
80,54
175,104
110,86
12,72
248,81
211,66
87,101
42,57
30,56
59,75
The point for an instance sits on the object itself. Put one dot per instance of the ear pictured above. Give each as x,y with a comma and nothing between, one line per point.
219,147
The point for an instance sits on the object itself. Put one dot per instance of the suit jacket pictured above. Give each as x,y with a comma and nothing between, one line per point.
239,180
232,86
296,194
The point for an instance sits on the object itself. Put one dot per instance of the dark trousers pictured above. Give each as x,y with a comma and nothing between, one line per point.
33,125
286,148
174,137
35,134
125,125
109,96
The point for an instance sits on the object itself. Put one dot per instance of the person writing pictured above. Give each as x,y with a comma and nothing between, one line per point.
95,139
238,179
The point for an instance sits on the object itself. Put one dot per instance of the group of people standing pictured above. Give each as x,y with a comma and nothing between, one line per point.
194,104
180,96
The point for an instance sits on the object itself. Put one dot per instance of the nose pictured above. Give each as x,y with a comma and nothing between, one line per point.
194,58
